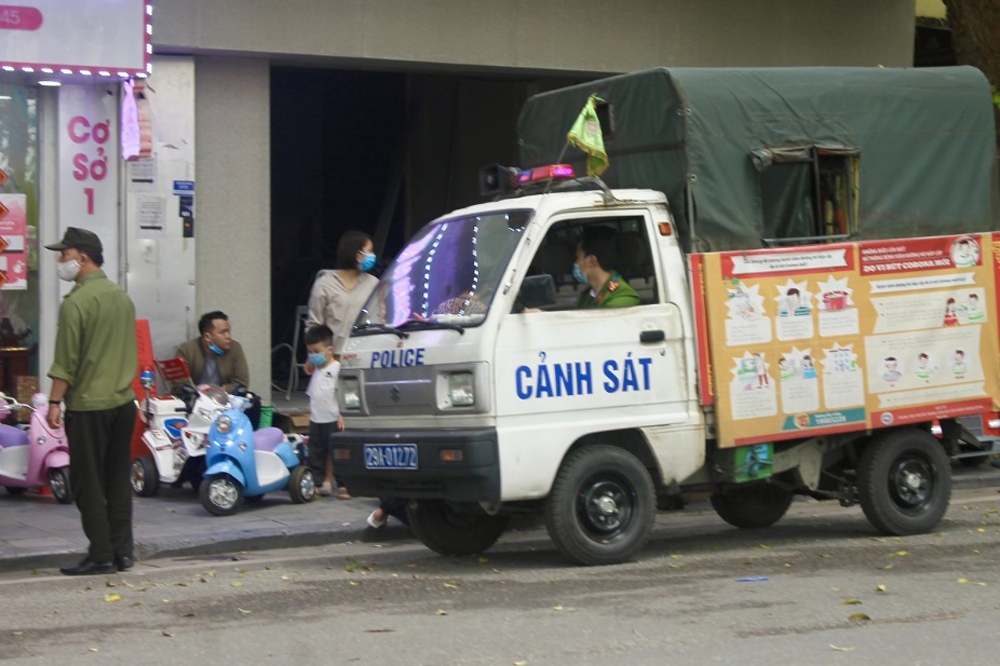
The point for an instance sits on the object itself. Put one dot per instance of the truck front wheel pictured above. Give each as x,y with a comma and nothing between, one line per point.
752,507
602,506
448,532
904,482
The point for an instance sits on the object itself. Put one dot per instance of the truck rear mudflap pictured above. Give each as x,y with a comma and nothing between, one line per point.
460,465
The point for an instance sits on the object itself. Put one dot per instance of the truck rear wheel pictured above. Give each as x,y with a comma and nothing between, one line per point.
448,532
602,506
753,506
904,482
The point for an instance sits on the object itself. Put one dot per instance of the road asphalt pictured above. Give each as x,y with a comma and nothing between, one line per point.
38,533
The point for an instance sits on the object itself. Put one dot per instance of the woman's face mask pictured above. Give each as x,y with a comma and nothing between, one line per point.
367,262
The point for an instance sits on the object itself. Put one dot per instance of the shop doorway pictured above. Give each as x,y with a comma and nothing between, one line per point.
383,152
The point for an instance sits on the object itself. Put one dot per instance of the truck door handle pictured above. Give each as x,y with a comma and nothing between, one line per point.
652,336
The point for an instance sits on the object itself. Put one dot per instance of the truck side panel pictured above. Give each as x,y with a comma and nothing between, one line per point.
853,336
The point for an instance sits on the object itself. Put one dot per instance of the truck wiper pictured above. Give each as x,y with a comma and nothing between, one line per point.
381,328
427,324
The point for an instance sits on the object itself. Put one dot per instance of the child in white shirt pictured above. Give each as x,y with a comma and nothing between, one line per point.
324,411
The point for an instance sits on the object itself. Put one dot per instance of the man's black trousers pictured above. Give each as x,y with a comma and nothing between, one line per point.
100,445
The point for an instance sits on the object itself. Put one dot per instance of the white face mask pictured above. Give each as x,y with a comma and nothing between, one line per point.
68,270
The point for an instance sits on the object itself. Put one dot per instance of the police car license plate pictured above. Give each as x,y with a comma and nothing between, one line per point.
390,456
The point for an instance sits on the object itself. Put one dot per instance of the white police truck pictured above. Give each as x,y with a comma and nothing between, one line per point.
475,388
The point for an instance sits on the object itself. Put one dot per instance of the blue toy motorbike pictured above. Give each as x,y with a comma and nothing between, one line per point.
241,462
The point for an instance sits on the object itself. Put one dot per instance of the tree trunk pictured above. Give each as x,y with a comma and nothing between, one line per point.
975,25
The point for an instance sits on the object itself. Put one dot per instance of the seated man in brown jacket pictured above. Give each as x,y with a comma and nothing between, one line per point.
215,358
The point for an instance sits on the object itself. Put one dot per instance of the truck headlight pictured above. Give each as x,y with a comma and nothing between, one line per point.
461,389
350,392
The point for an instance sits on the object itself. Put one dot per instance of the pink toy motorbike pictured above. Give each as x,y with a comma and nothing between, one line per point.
36,457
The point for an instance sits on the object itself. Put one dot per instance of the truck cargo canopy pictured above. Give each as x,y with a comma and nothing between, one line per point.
882,152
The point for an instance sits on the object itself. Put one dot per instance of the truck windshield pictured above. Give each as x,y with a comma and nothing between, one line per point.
446,275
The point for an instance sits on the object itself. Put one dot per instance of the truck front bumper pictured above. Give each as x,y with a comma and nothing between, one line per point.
459,465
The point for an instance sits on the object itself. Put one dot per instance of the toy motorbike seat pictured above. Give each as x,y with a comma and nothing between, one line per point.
11,436
268,439
174,427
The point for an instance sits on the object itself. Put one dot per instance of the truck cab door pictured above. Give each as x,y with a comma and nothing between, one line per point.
564,372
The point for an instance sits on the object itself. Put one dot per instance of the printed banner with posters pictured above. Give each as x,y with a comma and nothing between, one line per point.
824,339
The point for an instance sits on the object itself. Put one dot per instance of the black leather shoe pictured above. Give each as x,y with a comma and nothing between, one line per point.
88,567
124,562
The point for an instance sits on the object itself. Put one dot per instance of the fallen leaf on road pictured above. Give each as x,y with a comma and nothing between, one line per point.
171,511
189,615
880,588
835,589
379,631
557,608
886,567
110,584
858,616
245,612
236,583
442,612
963,580
980,529
92,650
520,663
765,546
167,633
852,602
484,560
353,582
286,577
114,596
899,553
181,584
18,633
453,586
825,556
843,649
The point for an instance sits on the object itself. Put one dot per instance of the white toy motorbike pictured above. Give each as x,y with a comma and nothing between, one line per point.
175,439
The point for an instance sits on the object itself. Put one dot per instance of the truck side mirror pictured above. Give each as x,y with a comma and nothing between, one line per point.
536,291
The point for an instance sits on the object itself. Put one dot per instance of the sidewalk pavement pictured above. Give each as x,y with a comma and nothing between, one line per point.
38,533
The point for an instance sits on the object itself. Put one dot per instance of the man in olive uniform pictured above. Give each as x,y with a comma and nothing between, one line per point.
95,362
596,256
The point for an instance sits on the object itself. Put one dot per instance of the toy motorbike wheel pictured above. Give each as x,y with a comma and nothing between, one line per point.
302,485
59,484
221,495
144,477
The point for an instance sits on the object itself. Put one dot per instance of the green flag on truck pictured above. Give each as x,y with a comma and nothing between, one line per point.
586,135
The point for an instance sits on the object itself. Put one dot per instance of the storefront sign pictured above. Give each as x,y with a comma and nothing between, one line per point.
107,38
88,168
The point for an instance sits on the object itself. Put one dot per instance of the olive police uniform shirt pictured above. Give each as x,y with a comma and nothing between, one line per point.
96,352
616,293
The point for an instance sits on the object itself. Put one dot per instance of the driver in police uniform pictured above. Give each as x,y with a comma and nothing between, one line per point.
596,254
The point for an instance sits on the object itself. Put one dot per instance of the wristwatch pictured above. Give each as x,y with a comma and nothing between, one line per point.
55,402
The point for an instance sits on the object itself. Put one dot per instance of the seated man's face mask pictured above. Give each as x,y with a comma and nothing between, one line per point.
214,348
